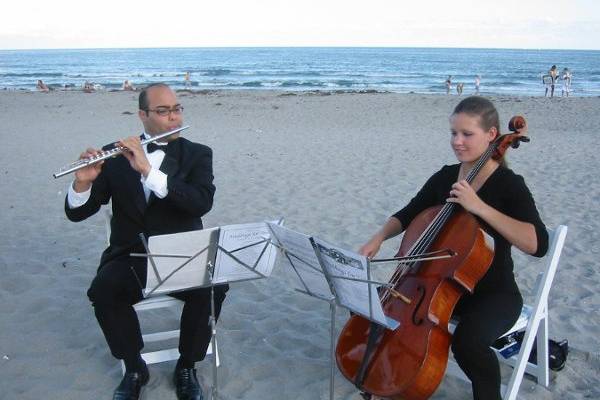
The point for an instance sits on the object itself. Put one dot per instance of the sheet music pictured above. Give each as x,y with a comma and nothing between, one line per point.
339,263
194,274
304,261
234,237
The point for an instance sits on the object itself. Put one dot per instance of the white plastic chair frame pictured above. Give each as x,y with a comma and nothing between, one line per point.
151,303
534,319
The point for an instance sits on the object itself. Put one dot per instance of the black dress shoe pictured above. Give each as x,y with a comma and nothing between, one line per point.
131,385
186,384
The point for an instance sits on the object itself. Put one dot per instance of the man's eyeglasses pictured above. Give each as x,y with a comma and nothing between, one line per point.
164,111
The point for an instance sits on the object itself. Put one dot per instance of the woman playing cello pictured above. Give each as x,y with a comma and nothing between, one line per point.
505,209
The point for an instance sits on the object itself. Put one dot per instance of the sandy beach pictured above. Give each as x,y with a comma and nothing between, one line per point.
334,165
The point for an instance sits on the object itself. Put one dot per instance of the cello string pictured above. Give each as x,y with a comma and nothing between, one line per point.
416,249
440,220
435,226
430,233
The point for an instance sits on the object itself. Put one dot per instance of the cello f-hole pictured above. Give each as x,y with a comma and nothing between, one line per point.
416,320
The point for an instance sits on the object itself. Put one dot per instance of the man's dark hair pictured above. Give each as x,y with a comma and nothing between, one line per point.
143,99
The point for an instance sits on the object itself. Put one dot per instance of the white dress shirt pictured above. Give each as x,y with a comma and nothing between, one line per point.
156,181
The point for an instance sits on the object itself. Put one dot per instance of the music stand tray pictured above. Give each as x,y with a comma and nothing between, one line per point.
314,263
206,258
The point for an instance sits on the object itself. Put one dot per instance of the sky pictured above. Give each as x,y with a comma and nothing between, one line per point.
533,24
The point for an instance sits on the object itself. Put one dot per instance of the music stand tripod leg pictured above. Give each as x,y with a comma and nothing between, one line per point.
213,325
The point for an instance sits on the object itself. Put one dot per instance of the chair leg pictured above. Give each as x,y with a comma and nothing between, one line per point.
522,359
543,375
216,352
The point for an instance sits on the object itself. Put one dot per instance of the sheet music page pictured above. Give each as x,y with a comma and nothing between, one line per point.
194,274
234,238
310,277
354,295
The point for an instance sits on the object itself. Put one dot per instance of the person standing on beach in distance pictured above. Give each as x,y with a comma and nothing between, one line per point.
459,88
448,84
156,189
553,78
566,82
477,83
187,80
546,81
505,209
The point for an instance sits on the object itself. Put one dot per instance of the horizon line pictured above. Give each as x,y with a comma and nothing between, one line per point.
298,47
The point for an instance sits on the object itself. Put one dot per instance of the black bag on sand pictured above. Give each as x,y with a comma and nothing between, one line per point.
557,354
557,351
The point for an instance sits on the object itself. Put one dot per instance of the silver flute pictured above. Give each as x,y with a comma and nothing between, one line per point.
103,155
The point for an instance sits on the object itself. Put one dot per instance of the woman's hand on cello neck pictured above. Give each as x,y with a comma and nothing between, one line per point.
518,233
462,193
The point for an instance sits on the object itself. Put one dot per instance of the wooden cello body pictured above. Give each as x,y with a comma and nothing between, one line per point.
409,362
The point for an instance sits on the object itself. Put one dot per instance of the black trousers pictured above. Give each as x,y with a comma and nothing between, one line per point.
483,319
115,290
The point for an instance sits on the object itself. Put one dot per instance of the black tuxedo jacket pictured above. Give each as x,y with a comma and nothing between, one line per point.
188,167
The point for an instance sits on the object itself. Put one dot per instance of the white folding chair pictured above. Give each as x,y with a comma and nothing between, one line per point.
153,303
534,319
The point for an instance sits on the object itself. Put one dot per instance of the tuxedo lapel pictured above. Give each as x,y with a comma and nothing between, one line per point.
135,183
139,197
128,187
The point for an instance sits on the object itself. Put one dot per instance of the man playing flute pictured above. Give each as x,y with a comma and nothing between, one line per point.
158,188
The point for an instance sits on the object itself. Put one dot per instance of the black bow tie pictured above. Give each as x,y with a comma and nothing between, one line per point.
151,147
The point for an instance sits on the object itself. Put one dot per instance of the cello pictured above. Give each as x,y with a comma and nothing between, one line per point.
408,363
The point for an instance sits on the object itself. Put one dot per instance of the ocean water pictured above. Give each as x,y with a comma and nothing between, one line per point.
419,70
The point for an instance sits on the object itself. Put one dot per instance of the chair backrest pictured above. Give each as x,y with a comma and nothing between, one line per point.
530,321
539,312
556,241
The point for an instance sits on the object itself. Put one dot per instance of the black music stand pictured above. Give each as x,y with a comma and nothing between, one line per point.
227,254
314,271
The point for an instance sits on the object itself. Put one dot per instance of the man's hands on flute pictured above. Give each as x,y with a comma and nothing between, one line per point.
135,155
85,176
